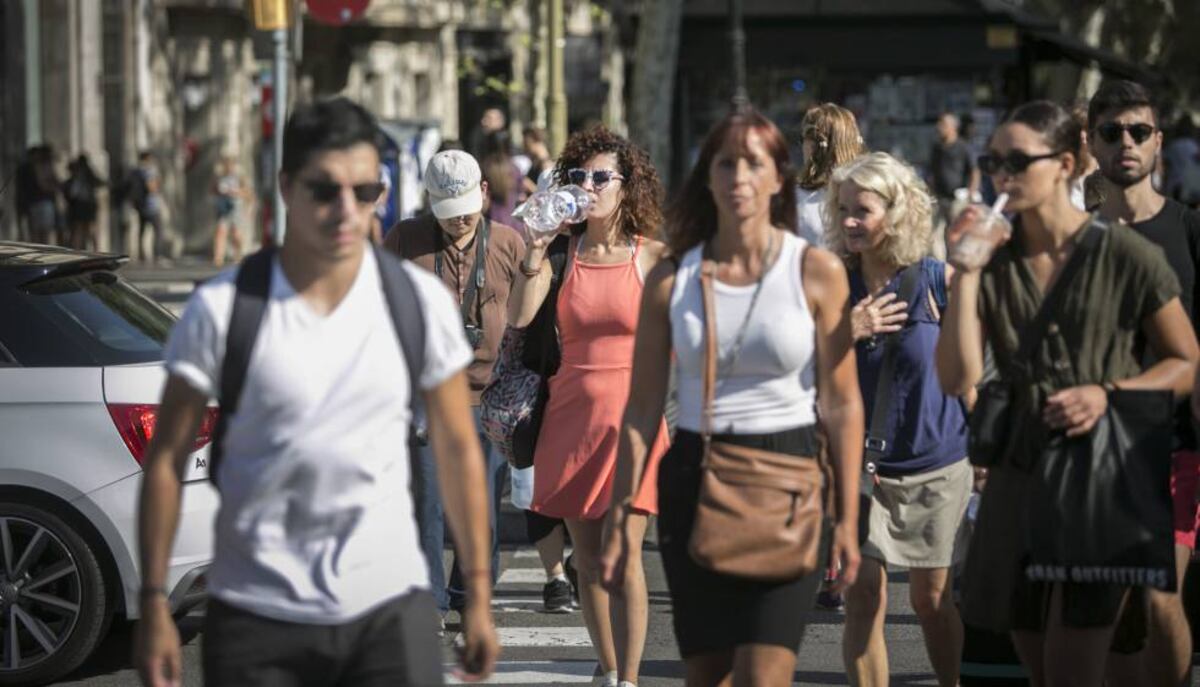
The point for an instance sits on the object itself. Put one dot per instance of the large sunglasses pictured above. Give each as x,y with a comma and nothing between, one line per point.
1014,162
326,192
599,177
1112,132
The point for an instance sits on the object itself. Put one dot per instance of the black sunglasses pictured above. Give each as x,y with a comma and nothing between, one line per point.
1112,132
599,177
1014,162
326,191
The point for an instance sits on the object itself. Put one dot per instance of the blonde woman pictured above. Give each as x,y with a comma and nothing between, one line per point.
882,226
830,138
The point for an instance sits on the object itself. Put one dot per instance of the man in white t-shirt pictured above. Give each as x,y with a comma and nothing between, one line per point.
317,577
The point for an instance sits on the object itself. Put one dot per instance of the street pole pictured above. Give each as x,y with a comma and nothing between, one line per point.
737,43
556,108
276,16
279,90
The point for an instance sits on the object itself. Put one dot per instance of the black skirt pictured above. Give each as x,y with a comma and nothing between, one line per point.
715,612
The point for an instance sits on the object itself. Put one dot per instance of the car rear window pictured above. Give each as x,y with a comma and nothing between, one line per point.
82,320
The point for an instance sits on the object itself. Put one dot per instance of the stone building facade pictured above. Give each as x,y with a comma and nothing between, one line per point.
186,80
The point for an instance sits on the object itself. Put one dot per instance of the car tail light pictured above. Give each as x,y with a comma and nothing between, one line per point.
135,423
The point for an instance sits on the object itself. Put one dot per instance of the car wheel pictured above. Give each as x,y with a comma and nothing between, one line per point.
54,604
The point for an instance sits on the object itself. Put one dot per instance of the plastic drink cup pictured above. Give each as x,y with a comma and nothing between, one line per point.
974,248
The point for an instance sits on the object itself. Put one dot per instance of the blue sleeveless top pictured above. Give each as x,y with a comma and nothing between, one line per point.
927,428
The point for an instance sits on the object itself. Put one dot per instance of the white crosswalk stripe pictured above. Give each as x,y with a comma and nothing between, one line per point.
537,673
522,576
513,604
543,636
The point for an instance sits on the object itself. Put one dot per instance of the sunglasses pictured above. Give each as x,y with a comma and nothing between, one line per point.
599,177
1113,132
1014,162
325,192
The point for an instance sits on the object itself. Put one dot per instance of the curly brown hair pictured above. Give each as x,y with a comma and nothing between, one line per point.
642,191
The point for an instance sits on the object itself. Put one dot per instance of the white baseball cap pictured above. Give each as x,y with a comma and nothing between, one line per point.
452,180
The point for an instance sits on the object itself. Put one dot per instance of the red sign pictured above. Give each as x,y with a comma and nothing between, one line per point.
336,12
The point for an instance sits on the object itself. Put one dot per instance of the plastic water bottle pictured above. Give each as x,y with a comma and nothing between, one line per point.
546,211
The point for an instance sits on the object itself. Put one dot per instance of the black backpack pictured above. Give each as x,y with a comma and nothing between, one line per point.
250,304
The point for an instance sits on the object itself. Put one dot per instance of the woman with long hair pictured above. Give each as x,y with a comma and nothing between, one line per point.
882,226
830,138
782,322
609,255
1119,293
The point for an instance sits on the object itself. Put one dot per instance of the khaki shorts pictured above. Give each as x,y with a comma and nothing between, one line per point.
915,520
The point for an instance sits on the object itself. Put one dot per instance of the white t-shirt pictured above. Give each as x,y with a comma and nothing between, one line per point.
316,520
810,214
771,386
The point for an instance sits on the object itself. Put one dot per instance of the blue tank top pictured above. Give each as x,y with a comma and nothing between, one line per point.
927,428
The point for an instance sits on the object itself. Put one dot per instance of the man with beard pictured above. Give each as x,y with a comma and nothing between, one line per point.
1125,138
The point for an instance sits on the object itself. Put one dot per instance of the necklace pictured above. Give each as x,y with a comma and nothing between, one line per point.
727,362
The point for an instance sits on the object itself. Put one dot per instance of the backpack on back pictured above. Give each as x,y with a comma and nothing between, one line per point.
253,286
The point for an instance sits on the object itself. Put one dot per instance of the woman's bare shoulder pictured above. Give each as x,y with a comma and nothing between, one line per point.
822,264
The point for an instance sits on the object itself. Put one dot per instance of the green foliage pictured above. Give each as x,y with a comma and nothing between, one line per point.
1157,33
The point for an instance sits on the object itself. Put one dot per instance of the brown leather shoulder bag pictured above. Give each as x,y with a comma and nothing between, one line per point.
759,513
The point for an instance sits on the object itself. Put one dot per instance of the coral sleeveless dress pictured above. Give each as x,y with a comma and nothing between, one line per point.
576,452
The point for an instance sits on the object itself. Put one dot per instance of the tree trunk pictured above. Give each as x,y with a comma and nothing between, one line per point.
654,80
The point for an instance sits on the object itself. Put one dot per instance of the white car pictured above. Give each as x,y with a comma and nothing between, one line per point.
80,379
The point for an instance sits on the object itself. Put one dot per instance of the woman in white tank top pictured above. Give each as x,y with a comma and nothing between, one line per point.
783,331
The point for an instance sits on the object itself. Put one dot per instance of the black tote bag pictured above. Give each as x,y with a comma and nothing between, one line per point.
1100,504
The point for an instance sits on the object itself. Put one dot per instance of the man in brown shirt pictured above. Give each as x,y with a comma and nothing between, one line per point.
448,243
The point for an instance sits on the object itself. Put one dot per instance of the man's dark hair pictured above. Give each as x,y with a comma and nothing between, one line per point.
333,124
1117,96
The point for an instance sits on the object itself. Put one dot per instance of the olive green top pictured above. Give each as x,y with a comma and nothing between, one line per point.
1092,339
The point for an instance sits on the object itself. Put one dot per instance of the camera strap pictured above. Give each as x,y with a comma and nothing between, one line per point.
475,284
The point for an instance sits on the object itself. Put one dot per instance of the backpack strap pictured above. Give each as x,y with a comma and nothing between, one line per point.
408,319
253,290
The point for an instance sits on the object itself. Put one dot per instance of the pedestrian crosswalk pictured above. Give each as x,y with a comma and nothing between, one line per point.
538,648
538,673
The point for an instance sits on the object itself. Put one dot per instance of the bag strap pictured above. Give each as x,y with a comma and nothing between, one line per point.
1033,333
709,372
559,252
408,319
877,441
708,272
475,288
252,292
479,273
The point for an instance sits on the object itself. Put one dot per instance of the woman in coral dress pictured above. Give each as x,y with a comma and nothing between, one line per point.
597,311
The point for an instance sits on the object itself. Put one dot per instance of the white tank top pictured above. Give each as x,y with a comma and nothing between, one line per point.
771,386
